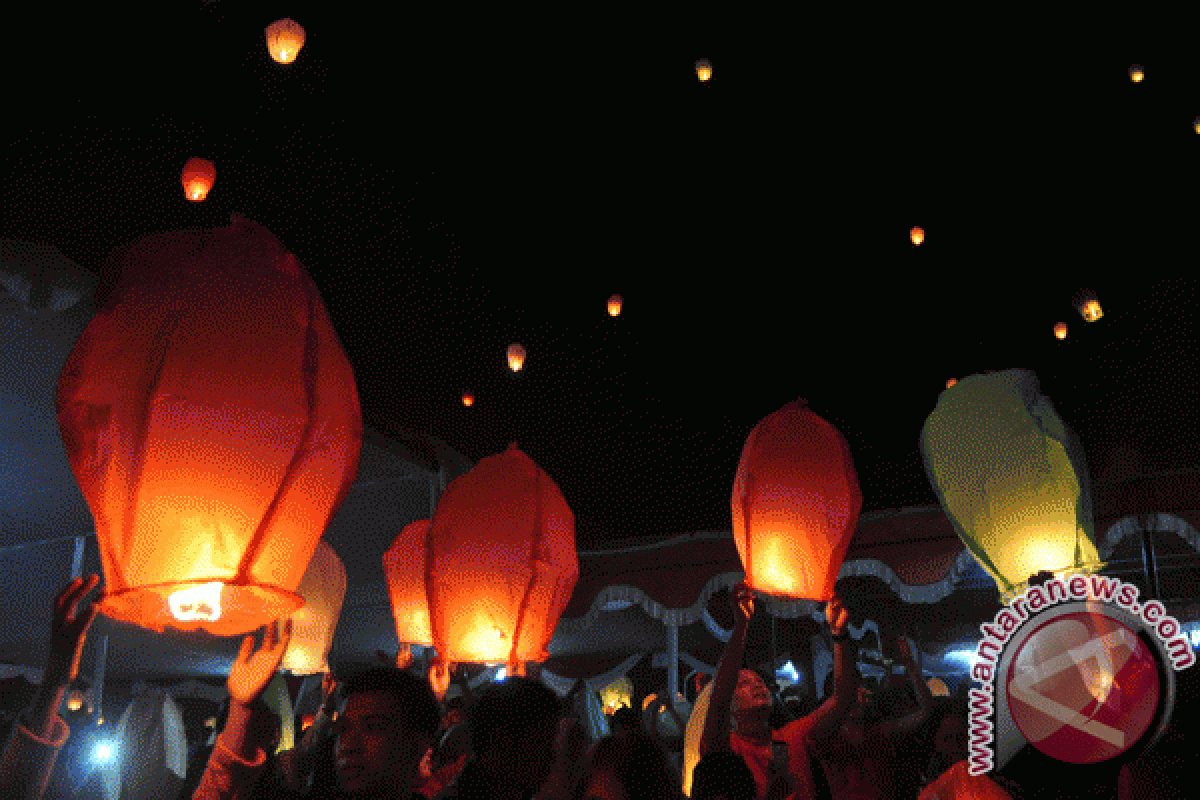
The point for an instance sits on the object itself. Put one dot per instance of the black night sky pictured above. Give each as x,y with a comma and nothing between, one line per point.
456,185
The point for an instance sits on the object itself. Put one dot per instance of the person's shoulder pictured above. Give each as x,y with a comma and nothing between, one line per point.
797,728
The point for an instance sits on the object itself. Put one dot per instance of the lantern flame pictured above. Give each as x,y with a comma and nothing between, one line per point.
917,235
284,40
516,357
197,602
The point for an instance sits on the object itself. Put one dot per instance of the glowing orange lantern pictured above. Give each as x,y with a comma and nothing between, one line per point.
1060,330
703,69
468,399
75,699
1136,74
198,177
516,357
795,504
404,568
917,235
951,382
614,305
500,563
1196,124
212,421
284,39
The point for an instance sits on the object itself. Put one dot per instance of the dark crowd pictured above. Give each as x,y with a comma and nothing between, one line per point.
384,733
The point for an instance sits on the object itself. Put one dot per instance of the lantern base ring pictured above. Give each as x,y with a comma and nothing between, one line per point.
243,607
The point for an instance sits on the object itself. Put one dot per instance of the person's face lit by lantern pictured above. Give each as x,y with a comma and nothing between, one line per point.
917,235
374,752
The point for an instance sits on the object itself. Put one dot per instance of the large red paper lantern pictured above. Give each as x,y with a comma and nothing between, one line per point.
796,502
198,177
500,563
404,568
212,421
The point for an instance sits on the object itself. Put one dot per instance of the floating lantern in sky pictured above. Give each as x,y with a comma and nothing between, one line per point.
516,357
284,39
1011,477
500,563
468,399
703,70
198,177
917,235
211,419
614,305
1060,330
796,501
1088,305
951,382
1136,74
1196,124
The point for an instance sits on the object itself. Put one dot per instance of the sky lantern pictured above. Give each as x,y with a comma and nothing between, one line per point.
500,563
1011,477
703,70
323,589
1136,74
1088,306
211,420
614,305
284,39
917,235
1060,330
468,399
951,382
198,177
516,357
404,567
1196,124
795,504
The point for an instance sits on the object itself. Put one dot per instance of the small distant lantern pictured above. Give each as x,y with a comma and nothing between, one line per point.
951,382
1088,305
917,235
1060,330
284,39
938,687
306,722
516,357
1136,74
198,178
468,399
1011,478
795,503
75,699
211,419
614,305
703,70
1196,124
617,694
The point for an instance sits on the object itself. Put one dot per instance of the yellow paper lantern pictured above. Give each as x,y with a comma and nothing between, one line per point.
703,70
1060,330
1136,74
614,305
795,503
323,588
198,178
917,235
516,357
617,694
1012,479
284,40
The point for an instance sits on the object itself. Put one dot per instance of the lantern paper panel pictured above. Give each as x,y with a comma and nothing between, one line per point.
212,421
1011,477
796,502
323,589
404,568
501,563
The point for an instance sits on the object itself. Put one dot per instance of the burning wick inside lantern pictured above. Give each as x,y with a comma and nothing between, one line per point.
198,602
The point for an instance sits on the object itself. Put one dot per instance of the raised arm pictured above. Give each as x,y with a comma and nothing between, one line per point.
716,722
829,716
910,722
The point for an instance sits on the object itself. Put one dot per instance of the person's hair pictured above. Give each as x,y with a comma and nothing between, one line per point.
515,704
723,774
626,718
413,694
637,761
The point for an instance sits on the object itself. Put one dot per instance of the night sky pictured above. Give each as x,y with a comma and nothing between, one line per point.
456,186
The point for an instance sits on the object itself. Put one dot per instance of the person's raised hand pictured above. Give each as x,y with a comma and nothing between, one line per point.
68,632
253,669
836,615
743,604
